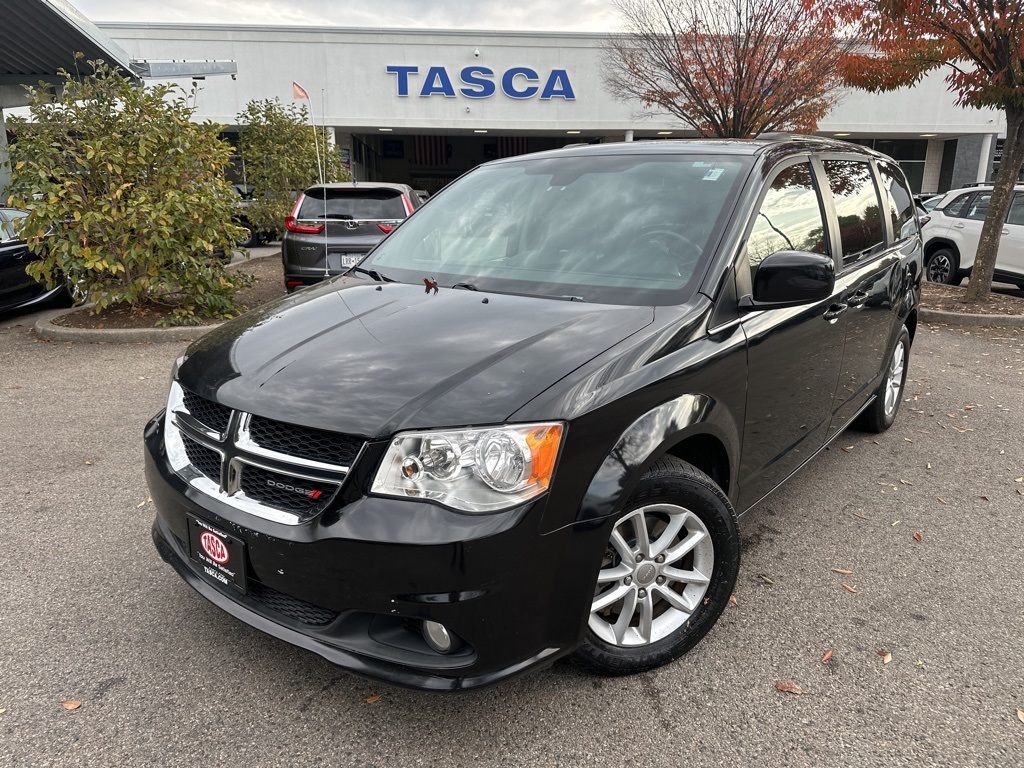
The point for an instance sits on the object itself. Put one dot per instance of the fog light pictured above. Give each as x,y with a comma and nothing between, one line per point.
437,636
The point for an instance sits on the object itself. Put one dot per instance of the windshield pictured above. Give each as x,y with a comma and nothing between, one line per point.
620,229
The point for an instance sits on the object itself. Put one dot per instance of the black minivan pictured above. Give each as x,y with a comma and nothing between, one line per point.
526,424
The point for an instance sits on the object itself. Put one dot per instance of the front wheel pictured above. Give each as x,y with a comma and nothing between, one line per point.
668,571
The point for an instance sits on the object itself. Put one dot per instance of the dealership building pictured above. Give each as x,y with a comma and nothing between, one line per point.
423,106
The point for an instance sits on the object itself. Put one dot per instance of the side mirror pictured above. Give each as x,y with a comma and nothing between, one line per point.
789,279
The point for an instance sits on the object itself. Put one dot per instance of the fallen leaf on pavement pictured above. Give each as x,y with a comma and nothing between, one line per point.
71,704
140,505
766,580
859,516
917,536
732,599
983,498
941,500
788,686
827,656
88,463
5,709
886,656
842,571
373,699
1020,715
847,448
848,588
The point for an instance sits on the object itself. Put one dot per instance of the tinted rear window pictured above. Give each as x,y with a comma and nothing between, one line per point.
356,204
901,204
856,199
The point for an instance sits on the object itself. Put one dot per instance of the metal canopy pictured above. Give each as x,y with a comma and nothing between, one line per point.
39,37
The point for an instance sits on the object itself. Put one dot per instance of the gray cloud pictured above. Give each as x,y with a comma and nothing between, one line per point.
529,15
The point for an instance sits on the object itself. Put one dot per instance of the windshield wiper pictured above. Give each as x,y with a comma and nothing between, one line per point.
380,277
467,286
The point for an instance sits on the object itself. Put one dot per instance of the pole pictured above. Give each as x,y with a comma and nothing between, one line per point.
316,143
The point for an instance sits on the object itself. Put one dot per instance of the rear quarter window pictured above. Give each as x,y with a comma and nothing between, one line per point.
857,208
899,201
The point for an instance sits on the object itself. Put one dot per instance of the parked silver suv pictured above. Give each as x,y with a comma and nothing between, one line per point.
953,229
333,226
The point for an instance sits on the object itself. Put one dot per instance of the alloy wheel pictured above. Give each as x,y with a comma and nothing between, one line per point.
894,383
939,268
654,576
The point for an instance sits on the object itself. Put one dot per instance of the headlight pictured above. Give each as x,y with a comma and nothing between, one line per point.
473,470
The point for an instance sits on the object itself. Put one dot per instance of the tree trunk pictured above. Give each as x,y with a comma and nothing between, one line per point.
980,284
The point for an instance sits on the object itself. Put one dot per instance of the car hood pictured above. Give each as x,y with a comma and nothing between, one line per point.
359,358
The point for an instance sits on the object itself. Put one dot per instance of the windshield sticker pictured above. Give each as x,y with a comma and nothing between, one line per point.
713,174
702,164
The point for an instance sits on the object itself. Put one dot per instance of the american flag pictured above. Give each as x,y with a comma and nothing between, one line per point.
430,150
510,146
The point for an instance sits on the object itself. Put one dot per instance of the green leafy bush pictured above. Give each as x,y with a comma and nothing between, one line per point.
278,149
127,195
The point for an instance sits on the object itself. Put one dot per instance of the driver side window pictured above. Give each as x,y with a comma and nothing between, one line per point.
790,218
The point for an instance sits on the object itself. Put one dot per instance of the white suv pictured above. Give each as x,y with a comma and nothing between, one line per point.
952,231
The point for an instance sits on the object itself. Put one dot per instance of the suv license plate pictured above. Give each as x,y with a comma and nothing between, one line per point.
220,556
349,259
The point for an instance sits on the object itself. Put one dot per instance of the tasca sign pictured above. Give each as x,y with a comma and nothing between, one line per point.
482,82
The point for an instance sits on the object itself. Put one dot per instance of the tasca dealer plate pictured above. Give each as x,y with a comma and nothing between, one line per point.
220,556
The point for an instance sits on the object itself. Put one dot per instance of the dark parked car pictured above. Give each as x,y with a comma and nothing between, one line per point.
345,220
17,289
526,425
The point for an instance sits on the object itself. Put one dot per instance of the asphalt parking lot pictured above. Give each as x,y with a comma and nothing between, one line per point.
89,612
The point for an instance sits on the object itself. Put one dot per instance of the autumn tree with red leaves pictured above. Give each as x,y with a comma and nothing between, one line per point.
980,44
728,68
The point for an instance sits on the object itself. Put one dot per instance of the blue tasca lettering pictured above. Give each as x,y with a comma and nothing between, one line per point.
508,83
403,77
474,76
437,81
558,85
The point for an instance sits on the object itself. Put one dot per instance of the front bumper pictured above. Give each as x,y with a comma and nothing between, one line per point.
354,584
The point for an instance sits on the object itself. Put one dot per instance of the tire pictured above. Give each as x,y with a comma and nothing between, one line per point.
682,511
942,266
880,415
70,295
251,238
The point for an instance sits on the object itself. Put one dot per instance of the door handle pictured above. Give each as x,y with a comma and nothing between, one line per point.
1006,231
834,311
858,299
958,226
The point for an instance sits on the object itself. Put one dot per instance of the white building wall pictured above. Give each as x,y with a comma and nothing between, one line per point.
344,70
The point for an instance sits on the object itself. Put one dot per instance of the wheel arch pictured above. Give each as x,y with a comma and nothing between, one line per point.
694,428
937,243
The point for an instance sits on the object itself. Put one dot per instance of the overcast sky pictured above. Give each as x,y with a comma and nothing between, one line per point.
533,15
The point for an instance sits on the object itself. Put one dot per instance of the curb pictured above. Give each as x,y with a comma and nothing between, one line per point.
45,329
960,320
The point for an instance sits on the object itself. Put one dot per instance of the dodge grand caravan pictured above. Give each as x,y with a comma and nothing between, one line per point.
526,424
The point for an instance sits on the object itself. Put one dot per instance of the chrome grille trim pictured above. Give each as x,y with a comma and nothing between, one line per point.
237,450
243,440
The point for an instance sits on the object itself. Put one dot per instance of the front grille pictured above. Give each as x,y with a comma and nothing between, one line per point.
292,607
303,442
204,459
213,415
286,492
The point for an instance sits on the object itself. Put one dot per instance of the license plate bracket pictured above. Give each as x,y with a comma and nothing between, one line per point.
219,555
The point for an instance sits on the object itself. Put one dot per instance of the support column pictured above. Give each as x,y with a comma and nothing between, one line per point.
5,168
985,161
629,135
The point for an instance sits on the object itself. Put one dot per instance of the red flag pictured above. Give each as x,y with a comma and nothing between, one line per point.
298,92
